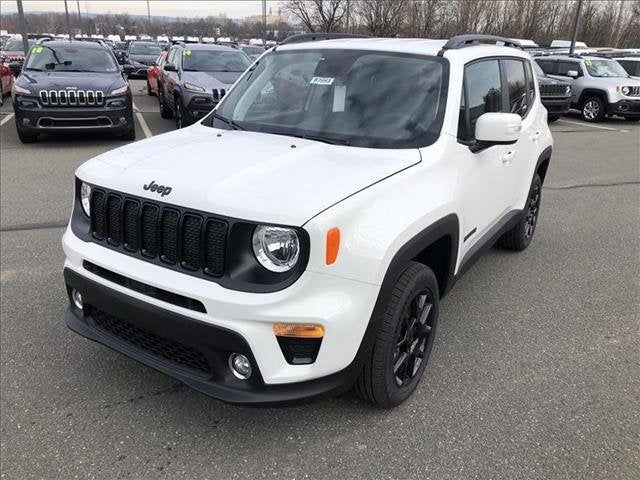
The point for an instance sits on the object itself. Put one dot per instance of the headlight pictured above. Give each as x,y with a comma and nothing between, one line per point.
276,248
625,90
121,90
192,87
85,198
19,89
567,90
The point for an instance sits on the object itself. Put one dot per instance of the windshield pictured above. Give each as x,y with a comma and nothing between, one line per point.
70,59
360,98
15,45
148,48
605,68
214,61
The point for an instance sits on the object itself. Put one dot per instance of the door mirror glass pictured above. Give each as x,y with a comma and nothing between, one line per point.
497,128
170,68
572,73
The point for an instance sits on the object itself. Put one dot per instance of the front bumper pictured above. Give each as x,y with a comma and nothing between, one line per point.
38,119
556,105
625,108
232,322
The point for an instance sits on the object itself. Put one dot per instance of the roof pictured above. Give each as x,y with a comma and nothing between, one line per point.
207,46
419,46
575,57
74,43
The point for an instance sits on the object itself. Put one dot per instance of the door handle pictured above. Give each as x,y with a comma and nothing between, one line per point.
536,136
507,158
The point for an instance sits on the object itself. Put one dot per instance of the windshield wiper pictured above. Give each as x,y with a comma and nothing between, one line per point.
321,138
228,121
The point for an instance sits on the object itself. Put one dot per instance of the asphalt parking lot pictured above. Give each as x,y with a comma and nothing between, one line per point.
535,372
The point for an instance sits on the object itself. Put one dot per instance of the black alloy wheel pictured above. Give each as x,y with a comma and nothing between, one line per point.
533,207
413,338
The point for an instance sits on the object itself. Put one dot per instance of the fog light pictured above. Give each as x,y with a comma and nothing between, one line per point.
76,296
240,366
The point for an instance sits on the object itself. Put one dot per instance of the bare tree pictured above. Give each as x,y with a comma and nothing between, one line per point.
382,18
318,15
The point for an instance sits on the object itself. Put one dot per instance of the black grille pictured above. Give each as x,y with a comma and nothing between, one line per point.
183,240
299,351
163,348
553,90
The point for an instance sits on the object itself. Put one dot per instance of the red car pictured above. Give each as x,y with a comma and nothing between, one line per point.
6,81
153,72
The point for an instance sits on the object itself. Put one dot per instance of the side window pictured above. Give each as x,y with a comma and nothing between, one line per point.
516,86
171,56
531,84
484,93
547,66
565,67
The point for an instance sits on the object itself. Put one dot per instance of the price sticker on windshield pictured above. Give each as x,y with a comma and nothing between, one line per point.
186,52
38,49
588,62
322,80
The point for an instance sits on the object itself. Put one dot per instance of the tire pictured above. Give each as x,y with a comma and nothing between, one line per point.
552,118
593,109
520,236
165,111
26,137
386,380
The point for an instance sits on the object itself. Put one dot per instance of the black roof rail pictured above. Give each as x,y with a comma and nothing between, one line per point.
462,41
312,37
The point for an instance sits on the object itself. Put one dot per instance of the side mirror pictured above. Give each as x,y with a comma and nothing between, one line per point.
496,128
572,73
169,67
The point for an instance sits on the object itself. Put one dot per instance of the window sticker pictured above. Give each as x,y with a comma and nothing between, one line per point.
339,95
588,62
37,49
186,52
322,80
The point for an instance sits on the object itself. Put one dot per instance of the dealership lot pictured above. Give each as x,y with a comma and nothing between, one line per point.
534,374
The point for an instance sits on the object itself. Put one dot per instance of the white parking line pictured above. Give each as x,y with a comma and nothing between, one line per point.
6,119
584,124
143,123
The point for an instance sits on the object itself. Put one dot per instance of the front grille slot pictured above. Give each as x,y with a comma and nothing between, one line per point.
218,93
64,98
160,347
176,238
634,92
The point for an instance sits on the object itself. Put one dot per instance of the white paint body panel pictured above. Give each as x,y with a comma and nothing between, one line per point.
378,198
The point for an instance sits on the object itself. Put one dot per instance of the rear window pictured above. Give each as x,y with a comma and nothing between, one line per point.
149,48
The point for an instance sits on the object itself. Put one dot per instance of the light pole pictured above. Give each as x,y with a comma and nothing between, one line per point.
79,17
23,27
149,16
574,34
264,23
66,16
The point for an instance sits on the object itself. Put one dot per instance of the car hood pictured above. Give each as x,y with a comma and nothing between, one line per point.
551,81
209,80
62,80
248,175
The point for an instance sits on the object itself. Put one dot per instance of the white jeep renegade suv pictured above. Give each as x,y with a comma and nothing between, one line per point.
298,240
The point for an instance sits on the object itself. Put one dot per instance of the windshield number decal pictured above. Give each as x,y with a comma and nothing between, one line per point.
186,52
322,80
37,49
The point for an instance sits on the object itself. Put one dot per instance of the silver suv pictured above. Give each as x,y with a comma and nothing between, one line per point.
600,86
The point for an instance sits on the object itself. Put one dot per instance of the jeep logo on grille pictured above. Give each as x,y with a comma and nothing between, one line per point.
161,189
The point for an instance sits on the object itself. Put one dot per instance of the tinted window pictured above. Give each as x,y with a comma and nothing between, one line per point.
632,67
484,91
364,98
565,67
547,66
531,86
70,59
516,86
16,45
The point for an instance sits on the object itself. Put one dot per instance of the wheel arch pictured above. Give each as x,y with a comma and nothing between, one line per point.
543,163
592,92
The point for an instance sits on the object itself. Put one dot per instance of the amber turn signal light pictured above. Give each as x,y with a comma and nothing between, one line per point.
298,330
333,245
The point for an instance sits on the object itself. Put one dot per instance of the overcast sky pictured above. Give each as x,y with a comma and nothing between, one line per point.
174,8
